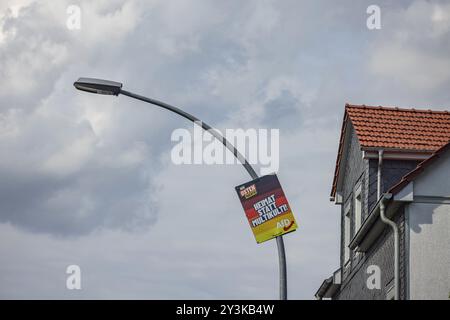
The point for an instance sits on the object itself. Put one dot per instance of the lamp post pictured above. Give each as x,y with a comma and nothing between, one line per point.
107,87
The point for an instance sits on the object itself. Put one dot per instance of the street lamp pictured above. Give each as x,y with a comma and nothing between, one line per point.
98,86
108,87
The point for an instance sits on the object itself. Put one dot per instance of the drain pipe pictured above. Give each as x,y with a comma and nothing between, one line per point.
380,164
394,227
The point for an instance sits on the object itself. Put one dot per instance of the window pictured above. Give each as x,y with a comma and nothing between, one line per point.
358,209
347,235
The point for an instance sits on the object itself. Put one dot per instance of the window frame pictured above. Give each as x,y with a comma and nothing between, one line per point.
347,234
357,211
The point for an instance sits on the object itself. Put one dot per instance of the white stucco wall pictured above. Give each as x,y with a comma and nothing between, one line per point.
429,255
435,180
429,233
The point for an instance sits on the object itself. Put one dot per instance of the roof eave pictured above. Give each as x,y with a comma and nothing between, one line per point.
329,286
339,155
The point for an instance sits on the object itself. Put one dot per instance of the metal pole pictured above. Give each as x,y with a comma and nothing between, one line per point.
238,155
282,266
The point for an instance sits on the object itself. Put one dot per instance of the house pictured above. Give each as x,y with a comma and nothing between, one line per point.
392,183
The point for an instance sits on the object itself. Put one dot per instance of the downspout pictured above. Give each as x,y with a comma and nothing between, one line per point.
380,163
394,227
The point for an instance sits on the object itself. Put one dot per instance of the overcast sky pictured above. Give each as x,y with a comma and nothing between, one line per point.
88,180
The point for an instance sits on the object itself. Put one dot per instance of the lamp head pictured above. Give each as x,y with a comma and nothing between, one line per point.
98,86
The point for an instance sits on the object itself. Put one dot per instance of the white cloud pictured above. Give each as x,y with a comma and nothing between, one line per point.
414,50
418,70
71,157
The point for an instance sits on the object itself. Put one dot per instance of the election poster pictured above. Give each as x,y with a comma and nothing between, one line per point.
266,208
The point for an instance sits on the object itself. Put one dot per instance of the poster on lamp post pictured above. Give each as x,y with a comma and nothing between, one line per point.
266,208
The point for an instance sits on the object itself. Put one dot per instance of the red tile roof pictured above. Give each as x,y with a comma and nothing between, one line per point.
394,128
412,175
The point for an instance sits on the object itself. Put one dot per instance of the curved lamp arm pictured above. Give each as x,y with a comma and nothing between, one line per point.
108,87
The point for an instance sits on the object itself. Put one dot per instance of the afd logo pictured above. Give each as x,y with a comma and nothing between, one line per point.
286,224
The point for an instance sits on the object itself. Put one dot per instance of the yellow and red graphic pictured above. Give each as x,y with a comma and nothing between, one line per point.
248,192
266,207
